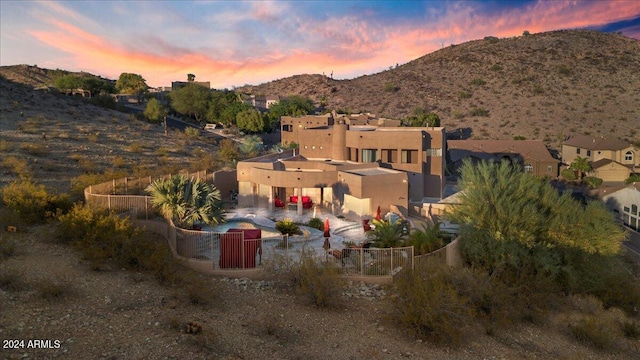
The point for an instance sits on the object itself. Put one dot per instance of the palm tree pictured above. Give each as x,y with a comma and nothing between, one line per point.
187,200
581,165
427,239
386,234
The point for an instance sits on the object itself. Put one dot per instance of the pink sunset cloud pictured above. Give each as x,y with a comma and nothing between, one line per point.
347,45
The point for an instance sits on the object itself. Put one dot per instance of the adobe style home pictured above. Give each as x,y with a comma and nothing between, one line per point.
348,164
610,159
531,155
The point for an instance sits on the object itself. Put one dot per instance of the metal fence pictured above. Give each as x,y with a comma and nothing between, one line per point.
218,252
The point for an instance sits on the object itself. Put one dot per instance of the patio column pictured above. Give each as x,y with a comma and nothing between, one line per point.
271,204
299,208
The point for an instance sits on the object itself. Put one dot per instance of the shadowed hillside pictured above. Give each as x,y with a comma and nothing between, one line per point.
544,86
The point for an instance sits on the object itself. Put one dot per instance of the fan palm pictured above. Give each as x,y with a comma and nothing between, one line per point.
187,200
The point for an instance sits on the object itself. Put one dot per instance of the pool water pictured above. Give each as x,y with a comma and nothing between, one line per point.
244,224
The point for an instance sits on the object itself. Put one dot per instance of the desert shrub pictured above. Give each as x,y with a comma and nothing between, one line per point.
316,223
391,87
135,147
496,67
316,282
105,101
519,137
33,203
427,304
630,329
592,181
53,288
20,167
196,289
11,280
464,94
479,112
478,82
5,146
79,183
593,330
7,246
564,70
38,150
568,174
287,226
191,132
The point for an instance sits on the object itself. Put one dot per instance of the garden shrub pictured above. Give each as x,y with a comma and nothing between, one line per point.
33,203
592,181
316,223
568,174
429,306
287,226
425,240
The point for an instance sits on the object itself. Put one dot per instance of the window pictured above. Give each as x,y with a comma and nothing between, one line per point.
578,151
390,156
434,152
287,128
634,209
588,152
549,168
628,156
626,209
528,168
369,155
409,156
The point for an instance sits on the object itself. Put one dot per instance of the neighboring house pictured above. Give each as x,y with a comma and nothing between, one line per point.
609,170
531,155
418,151
624,201
261,102
342,187
598,148
175,85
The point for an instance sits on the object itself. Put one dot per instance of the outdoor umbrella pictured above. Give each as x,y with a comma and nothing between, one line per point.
326,246
378,217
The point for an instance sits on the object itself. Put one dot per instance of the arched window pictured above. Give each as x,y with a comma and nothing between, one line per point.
628,156
528,168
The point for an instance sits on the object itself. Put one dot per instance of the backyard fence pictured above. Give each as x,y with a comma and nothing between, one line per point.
231,254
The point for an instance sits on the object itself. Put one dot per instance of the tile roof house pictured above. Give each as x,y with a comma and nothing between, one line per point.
532,155
611,159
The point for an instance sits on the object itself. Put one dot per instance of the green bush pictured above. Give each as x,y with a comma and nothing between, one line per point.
316,223
33,203
633,178
568,174
464,94
592,181
425,240
191,132
428,305
519,137
631,329
287,226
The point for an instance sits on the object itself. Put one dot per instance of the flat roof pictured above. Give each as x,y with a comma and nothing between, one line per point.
372,171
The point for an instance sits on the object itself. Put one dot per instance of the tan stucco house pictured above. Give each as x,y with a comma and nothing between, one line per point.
624,201
348,164
531,155
617,153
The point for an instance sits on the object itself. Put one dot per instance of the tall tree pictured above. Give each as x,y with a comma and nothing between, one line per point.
291,106
250,120
191,77
68,82
187,201
154,111
134,84
581,165
421,118
519,225
192,100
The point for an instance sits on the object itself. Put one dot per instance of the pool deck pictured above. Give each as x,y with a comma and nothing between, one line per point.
342,230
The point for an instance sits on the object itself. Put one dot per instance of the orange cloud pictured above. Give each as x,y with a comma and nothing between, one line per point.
347,45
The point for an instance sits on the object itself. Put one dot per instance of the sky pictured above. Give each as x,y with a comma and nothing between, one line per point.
233,43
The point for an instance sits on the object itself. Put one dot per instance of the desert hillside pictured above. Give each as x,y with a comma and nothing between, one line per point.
543,86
